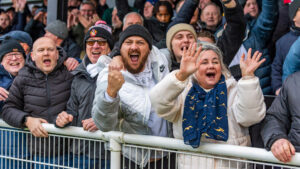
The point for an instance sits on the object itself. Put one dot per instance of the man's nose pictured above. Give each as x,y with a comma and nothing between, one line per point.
46,52
133,46
96,45
14,57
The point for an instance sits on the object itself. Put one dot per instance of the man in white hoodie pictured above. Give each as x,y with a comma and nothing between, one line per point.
121,100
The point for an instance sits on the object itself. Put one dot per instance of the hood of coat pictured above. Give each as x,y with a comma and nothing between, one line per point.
5,78
295,30
81,69
3,72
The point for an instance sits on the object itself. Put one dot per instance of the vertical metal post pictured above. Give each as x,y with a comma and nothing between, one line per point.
115,154
57,10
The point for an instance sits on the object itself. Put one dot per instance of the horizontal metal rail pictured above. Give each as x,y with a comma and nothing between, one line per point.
249,153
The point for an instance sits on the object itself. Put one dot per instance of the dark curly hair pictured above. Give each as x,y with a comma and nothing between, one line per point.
163,3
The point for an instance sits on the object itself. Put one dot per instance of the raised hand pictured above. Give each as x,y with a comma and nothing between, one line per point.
86,23
38,16
71,64
102,2
115,82
95,18
70,19
188,64
63,118
22,4
228,3
250,64
75,12
116,63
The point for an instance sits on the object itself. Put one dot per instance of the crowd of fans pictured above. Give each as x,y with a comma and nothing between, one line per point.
195,70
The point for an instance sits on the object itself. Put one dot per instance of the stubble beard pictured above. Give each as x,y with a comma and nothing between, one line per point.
139,68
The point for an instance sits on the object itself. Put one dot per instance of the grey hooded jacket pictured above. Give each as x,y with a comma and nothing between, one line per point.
80,106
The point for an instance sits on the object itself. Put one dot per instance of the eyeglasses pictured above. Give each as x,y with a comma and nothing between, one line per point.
11,55
101,42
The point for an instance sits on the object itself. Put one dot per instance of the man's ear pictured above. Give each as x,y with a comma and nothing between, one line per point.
57,54
32,57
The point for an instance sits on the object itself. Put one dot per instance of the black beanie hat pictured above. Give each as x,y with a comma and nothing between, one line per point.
293,8
100,30
136,30
10,45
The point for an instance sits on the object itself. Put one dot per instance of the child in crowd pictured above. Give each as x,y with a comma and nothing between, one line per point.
163,11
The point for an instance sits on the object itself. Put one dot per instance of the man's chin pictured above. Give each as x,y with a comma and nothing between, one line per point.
134,69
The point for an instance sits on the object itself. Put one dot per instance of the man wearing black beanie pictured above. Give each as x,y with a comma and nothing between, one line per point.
134,58
12,58
125,94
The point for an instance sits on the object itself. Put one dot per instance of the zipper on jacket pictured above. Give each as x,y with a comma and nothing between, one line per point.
48,92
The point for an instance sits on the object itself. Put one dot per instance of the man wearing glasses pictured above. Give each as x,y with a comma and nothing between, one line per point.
12,58
98,43
80,21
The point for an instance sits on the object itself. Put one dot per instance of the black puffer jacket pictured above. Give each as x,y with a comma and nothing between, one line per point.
38,95
283,117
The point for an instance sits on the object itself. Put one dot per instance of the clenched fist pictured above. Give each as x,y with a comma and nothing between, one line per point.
63,118
115,82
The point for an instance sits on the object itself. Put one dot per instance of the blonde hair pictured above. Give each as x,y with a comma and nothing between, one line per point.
209,46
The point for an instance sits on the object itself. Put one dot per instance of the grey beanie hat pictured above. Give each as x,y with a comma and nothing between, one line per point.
58,28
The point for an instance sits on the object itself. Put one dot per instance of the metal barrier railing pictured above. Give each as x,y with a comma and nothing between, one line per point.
73,147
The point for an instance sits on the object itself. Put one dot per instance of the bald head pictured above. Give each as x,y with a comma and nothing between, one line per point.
44,54
42,40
